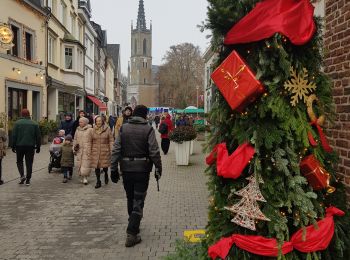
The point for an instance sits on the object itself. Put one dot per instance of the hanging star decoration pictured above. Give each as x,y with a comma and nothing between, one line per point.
299,86
247,209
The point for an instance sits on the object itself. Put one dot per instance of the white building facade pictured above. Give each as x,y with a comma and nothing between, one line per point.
66,58
210,59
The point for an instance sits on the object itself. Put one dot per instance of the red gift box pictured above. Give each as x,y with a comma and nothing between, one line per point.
316,175
237,82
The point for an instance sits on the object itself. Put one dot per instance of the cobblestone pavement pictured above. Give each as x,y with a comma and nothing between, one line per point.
52,220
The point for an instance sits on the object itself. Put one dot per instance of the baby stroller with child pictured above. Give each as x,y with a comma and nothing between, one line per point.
55,153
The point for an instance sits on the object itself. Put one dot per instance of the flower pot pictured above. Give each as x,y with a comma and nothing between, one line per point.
182,153
44,139
191,147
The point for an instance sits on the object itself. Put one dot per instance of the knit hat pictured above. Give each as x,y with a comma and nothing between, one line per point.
68,138
128,108
141,111
25,112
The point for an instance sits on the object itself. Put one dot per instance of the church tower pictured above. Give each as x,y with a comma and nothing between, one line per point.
141,61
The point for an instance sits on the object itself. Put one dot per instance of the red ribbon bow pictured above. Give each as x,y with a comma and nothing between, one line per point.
323,137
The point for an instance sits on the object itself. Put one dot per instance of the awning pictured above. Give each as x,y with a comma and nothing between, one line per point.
102,106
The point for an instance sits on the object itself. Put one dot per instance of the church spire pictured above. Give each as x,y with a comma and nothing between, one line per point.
141,19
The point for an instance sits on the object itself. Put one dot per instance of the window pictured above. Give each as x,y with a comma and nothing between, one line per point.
144,81
135,47
51,49
49,3
17,100
29,46
63,16
80,32
16,41
72,25
68,58
144,47
80,62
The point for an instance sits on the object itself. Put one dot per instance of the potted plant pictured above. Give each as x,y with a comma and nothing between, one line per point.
182,137
44,131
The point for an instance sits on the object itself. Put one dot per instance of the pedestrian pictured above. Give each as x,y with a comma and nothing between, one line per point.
76,122
123,119
67,124
157,120
82,149
3,139
167,125
181,121
136,149
102,145
67,158
26,139
111,122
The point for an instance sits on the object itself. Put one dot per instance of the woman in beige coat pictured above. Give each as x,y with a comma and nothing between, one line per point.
82,148
3,140
102,144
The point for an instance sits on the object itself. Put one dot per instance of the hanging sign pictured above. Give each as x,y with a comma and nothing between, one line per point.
6,36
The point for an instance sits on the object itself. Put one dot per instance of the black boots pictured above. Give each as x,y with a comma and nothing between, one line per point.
98,177
132,240
106,178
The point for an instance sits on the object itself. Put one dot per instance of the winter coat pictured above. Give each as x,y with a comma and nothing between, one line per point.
67,126
136,140
26,133
168,122
83,139
67,159
120,121
3,140
102,145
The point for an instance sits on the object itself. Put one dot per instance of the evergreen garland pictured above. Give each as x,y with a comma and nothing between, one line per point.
278,132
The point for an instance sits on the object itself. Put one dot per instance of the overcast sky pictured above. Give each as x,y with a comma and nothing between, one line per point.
174,22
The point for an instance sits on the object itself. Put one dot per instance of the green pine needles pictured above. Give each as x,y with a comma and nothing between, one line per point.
278,132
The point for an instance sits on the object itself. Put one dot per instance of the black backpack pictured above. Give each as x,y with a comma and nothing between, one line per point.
163,128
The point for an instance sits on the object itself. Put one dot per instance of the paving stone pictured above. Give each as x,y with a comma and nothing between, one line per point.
52,220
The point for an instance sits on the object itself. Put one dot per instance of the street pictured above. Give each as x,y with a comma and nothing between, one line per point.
52,220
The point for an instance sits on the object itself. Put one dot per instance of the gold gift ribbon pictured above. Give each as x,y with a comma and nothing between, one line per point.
234,78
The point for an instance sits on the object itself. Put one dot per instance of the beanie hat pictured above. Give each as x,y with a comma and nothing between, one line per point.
141,111
68,138
25,113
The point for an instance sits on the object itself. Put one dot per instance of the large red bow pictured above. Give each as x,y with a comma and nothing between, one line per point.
316,239
323,137
230,166
292,18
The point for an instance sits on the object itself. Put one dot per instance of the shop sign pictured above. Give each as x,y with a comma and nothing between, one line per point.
6,36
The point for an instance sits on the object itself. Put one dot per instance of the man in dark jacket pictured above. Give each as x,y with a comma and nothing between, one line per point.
136,148
25,139
67,124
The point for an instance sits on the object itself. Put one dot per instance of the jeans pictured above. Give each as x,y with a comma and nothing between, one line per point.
135,185
67,172
26,152
165,144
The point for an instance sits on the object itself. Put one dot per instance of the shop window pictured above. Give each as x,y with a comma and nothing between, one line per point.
68,57
66,103
17,100
29,46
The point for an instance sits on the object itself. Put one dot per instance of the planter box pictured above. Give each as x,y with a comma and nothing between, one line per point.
182,153
191,147
44,139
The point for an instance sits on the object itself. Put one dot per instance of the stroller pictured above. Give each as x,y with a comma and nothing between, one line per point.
55,153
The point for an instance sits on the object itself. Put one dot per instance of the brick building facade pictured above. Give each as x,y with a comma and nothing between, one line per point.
337,66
